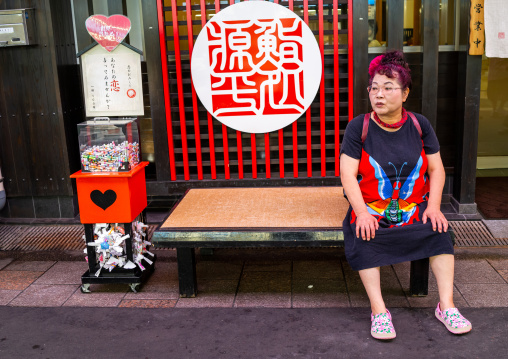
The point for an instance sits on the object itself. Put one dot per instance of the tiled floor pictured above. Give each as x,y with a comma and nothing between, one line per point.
283,279
491,197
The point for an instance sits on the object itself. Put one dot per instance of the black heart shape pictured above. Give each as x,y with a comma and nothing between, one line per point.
103,200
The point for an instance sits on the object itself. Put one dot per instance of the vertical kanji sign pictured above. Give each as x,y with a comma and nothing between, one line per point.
477,28
256,66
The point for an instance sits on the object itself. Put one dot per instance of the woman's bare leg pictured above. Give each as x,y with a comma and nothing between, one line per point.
371,279
443,269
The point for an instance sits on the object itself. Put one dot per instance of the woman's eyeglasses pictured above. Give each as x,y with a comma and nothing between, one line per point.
373,90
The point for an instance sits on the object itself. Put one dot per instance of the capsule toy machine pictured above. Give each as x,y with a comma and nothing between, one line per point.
111,191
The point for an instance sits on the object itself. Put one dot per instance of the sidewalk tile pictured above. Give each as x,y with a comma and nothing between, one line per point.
358,297
102,295
319,293
393,294
268,282
17,280
485,295
149,303
317,269
499,264
318,285
64,273
476,271
5,262
498,228
218,270
394,298
162,284
431,300
403,271
39,266
44,295
7,295
352,277
211,293
504,274
265,300
392,291
270,266
170,291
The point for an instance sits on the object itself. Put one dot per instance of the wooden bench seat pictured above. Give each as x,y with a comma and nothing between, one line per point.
258,217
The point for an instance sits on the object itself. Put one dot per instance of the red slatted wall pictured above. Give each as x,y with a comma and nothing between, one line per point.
201,148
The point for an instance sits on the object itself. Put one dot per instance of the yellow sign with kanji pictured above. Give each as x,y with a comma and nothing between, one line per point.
477,28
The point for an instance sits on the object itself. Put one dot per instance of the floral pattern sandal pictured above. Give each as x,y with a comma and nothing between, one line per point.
453,320
382,326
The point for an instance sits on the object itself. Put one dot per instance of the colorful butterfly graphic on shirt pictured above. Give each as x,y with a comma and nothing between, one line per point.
393,204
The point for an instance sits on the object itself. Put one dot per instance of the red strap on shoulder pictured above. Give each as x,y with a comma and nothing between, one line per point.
365,128
415,122
366,120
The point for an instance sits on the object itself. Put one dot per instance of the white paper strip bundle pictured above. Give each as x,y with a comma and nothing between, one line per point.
109,246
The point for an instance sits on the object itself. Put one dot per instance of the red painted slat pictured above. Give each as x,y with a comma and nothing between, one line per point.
194,97
281,142
253,152
226,151
181,105
295,129
336,84
281,153
322,91
211,140
238,138
295,149
165,81
254,155
308,119
350,56
267,155
240,154
224,128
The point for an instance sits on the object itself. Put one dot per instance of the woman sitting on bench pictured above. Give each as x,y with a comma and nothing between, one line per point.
393,177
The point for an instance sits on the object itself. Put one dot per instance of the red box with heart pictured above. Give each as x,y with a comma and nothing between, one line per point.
111,197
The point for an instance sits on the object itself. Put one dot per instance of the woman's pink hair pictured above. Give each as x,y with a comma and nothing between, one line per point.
392,65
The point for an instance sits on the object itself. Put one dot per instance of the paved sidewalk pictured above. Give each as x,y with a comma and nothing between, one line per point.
248,278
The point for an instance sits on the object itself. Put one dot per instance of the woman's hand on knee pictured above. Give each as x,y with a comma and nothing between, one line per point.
366,226
437,219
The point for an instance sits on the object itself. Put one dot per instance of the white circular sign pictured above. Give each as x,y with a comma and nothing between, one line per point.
256,66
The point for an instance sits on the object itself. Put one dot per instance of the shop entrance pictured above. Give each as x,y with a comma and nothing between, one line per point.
492,165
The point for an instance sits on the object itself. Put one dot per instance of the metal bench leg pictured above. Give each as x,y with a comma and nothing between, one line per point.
186,272
419,278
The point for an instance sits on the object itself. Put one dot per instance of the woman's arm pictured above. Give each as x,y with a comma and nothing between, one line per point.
366,224
437,175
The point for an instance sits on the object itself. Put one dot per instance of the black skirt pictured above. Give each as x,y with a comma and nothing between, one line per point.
393,245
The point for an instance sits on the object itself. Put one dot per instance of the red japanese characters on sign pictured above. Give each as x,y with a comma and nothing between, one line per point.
256,73
259,70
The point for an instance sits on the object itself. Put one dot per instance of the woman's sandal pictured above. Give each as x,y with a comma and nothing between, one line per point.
453,320
382,326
